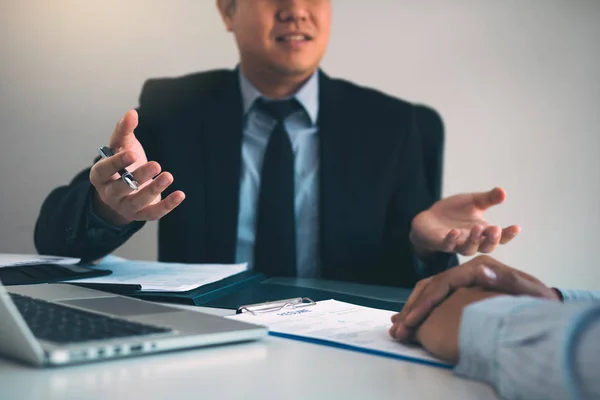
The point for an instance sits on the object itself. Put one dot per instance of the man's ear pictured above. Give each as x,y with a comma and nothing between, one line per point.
227,9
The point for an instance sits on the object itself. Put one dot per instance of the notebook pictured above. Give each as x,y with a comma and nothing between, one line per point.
335,323
193,284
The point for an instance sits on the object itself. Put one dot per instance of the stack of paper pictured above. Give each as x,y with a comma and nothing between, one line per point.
160,276
17,260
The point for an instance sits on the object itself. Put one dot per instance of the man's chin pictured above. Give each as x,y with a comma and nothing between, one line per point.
295,70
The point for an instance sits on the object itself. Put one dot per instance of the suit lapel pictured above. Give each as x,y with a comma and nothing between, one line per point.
335,174
221,152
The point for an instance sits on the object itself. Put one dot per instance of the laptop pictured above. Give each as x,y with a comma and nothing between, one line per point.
61,324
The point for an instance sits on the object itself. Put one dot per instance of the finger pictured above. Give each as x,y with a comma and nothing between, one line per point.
491,239
427,301
509,233
472,243
146,172
137,201
485,200
123,135
118,189
156,211
105,170
400,332
450,241
411,299
440,287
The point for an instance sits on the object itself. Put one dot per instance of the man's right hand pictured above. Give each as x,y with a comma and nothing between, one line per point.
114,201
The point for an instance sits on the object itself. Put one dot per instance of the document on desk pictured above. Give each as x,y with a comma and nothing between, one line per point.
18,260
161,276
340,324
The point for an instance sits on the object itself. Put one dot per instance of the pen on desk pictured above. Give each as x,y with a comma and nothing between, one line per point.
105,152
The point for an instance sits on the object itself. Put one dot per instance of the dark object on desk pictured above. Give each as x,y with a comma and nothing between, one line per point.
276,289
198,296
46,273
206,293
117,288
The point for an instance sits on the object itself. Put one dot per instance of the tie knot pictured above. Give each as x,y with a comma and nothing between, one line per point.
279,110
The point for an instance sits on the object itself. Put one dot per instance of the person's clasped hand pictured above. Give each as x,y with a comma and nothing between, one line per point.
482,272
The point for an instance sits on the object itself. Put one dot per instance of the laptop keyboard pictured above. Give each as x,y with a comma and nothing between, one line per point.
61,324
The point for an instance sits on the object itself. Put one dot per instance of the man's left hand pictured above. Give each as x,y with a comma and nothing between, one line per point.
456,224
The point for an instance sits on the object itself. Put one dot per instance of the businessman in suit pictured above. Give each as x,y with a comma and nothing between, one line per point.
280,165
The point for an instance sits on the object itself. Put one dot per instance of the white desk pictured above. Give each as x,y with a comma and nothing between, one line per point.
272,368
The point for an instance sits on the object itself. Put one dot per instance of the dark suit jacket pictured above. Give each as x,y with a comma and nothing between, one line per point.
372,180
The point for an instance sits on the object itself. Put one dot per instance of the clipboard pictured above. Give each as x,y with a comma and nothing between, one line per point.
273,306
261,292
335,324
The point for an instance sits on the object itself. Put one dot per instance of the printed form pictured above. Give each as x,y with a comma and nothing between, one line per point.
338,323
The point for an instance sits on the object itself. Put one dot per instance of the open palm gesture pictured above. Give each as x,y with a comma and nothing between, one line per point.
457,224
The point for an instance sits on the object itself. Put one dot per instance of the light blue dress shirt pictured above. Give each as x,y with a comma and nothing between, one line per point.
302,129
529,348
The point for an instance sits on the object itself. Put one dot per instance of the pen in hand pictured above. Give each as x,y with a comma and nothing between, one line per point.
127,177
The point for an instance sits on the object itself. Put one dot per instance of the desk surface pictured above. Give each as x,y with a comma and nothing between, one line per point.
271,368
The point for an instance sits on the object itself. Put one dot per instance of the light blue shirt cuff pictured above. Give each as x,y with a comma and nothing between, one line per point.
480,328
579,295
526,347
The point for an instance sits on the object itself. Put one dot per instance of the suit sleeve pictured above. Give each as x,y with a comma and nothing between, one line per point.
419,186
67,225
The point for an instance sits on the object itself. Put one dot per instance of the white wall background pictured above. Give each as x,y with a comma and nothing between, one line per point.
517,82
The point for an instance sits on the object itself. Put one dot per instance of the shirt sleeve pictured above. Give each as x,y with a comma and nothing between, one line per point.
530,348
579,295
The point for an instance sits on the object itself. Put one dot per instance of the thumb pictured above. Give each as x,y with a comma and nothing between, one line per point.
123,134
485,200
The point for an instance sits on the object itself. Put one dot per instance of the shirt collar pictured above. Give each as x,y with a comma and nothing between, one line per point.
307,95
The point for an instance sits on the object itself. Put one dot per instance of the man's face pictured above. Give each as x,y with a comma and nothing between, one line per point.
288,37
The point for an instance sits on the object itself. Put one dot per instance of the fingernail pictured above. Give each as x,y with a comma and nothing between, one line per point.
489,273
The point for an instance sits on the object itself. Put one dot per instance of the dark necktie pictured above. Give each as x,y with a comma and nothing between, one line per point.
275,244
